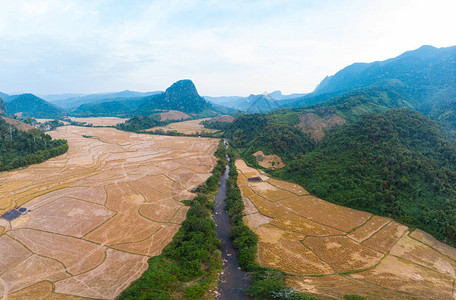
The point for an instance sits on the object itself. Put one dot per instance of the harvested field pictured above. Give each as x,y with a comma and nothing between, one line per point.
186,127
97,213
343,254
367,230
100,121
429,240
337,286
412,250
386,237
173,115
351,251
398,274
320,211
283,250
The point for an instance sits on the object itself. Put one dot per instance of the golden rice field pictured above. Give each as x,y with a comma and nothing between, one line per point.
186,127
332,251
97,213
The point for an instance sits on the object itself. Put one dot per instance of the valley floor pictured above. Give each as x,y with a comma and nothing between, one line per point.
97,213
331,251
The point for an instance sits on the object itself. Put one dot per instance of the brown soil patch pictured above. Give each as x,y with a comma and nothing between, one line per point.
304,236
256,220
249,207
314,124
100,121
173,115
269,161
98,212
269,191
186,127
385,238
227,119
18,124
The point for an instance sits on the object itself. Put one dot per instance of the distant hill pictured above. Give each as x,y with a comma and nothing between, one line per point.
112,108
426,75
4,96
397,163
32,106
181,95
2,107
71,101
249,103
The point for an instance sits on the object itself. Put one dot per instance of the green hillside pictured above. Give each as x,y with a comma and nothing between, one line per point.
254,132
32,106
19,148
396,163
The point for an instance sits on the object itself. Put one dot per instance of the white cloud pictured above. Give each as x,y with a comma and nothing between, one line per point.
230,47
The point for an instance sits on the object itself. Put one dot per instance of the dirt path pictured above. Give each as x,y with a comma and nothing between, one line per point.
332,251
97,213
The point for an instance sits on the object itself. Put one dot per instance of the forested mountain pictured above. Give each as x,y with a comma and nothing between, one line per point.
32,106
181,95
396,163
426,75
19,148
2,107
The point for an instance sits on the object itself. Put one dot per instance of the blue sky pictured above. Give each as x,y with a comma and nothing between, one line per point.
226,47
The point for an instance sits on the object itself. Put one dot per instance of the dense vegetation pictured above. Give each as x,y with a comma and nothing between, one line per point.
19,148
190,264
116,107
266,283
255,132
397,163
32,106
138,123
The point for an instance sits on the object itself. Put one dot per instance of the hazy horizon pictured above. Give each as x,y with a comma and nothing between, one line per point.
226,49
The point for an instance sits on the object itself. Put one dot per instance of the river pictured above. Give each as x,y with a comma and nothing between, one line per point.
233,281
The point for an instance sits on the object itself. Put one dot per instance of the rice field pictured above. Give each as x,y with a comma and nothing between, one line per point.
351,251
96,214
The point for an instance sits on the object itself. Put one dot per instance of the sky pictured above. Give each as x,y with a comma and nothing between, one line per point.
235,47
